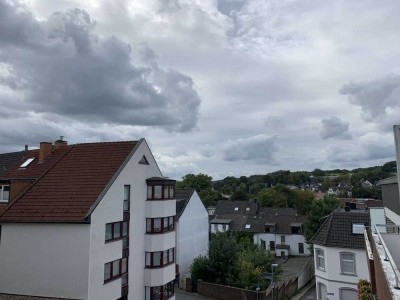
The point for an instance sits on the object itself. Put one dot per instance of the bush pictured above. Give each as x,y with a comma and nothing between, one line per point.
364,288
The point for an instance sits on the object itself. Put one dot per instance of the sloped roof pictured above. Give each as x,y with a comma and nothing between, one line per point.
182,199
390,180
243,207
8,160
336,231
75,178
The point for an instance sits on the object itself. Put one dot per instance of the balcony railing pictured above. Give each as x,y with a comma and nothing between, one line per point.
391,229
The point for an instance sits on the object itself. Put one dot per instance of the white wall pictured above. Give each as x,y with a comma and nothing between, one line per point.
192,233
332,276
220,228
49,260
290,239
110,209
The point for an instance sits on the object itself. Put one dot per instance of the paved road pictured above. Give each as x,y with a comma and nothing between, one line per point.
182,295
310,295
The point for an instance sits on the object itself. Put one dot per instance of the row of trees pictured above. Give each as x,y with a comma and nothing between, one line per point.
233,260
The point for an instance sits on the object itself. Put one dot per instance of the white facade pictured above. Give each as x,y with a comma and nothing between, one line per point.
331,282
216,227
39,259
68,260
293,240
191,233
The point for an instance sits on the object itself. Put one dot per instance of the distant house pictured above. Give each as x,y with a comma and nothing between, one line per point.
280,230
191,229
87,221
366,184
339,253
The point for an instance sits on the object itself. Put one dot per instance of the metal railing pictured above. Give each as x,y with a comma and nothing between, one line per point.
388,257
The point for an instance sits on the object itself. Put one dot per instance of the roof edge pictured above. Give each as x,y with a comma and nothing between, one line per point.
109,184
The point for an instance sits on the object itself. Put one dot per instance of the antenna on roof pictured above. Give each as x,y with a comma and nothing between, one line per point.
61,137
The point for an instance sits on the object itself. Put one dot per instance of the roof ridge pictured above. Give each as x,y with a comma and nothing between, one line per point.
36,181
110,142
329,227
321,226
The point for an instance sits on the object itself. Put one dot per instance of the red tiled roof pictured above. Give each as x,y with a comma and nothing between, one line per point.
68,189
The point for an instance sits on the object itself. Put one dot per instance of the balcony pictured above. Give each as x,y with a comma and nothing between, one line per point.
159,242
382,247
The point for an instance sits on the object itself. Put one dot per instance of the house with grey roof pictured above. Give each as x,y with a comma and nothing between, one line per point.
191,229
340,255
279,230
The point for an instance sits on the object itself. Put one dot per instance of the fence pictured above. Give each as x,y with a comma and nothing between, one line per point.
223,292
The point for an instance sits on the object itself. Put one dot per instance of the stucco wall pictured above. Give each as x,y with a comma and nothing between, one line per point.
332,276
110,209
49,260
290,239
390,196
192,233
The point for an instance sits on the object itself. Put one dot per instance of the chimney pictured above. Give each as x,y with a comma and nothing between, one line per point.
26,147
60,143
44,151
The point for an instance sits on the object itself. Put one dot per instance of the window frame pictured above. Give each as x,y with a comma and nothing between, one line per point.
163,228
168,287
151,256
342,261
111,272
301,247
2,186
121,231
319,256
151,191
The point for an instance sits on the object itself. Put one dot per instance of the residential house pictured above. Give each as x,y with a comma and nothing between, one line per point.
191,229
88,221
280,230
339,253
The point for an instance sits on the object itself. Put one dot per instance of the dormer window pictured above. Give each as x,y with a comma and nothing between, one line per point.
4,193
27,162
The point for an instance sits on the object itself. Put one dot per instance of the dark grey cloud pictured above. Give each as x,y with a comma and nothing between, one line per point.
60,66
334,127
379,99
257,148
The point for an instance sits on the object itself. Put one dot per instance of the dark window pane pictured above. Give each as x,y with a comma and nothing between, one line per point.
149,192
108,232
157,191
116,270
107,271
157,259
148,225
124,265
124,228
157,225
126,192
117,230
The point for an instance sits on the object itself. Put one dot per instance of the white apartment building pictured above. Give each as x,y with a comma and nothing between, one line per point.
88,221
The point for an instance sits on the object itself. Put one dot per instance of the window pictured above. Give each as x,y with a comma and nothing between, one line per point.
283,239
116,230
296,230
215,227
272,245
347,263
247,208
236,208
27,162
160,225
127,197
156,192
160,292
358,228
347,293
224,227
115,269
247,226
160,258
301,248
4,193
143,161
320,259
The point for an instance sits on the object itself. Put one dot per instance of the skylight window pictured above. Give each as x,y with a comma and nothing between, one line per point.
27,162
358,228
247,208
247,226
236,208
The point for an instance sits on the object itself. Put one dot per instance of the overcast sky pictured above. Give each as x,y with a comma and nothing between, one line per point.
215,86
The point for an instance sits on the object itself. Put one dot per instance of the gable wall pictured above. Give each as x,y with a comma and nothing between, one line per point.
110,209
192,233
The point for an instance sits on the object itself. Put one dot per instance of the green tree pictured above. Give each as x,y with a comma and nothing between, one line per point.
203,185
304,201
318,210
270,197
200,268
223,254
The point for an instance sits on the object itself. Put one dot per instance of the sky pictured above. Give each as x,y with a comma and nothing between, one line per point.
222,87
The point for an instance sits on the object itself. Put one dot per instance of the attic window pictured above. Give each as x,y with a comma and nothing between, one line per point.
143,161
236,208
358,228
27,162
247,226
